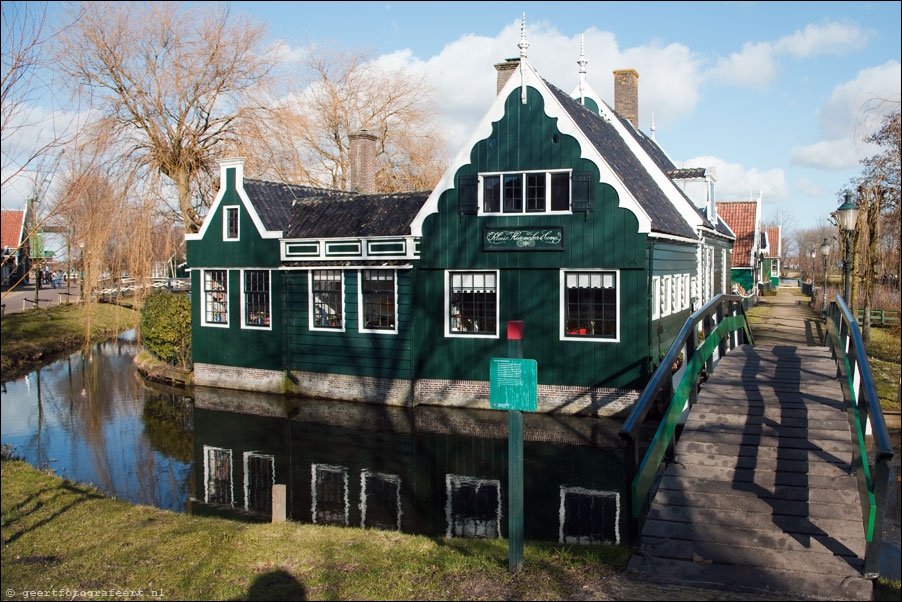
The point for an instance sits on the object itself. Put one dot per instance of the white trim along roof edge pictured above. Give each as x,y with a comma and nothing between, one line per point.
565,124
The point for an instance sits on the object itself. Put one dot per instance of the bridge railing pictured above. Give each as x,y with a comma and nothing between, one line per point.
871,465
724,326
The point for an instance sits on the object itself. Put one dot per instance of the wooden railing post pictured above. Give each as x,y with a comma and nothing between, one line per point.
708,329
722,345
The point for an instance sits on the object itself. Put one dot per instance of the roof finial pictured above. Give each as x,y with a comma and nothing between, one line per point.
652,126
523,46
582,62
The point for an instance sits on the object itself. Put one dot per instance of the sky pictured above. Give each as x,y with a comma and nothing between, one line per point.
775,96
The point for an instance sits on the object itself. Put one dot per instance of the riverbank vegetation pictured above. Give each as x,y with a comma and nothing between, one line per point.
59,534
33,337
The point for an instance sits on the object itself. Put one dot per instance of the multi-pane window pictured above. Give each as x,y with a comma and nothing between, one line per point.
513,193
378,294
259,477
216,297
588,516
231,223
491,194
256,298
473,303
530,192
590,304
325,286
535,192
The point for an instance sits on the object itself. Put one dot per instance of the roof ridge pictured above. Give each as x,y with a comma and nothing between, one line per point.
274,182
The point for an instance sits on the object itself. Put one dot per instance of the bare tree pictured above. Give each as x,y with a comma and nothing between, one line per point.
172,82
28,131
305,137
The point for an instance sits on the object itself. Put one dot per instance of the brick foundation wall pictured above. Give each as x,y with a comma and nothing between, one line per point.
586,401
231,377
394,392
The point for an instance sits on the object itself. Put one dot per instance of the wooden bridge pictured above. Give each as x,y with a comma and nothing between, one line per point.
765,489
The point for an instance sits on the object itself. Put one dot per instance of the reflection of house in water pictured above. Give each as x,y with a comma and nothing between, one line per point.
425,470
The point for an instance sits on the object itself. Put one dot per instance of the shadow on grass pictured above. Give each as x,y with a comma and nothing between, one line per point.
275,585
82,495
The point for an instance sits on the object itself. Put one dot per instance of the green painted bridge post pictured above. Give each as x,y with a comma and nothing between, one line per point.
515,463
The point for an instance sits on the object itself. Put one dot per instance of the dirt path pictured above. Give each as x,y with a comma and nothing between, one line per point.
786,319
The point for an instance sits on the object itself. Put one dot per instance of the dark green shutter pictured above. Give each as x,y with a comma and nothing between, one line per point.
467,199
582,192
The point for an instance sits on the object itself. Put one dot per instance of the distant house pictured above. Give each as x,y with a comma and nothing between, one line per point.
558,212
16,262
744,220
772,248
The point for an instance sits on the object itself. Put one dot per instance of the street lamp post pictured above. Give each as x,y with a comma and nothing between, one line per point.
825,250
847,216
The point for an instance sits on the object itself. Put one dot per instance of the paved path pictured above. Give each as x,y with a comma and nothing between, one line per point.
12,299
786,319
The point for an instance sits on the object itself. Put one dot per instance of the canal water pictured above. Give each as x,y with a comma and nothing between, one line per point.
433,471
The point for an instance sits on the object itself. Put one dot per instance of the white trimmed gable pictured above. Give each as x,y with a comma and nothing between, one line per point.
238,165
527,77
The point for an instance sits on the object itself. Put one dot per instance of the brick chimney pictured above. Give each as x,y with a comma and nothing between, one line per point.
363,162
505,70
626,95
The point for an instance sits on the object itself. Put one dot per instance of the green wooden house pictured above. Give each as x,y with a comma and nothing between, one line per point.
557,212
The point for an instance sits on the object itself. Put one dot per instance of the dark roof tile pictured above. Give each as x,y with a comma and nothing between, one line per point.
664,216
355,215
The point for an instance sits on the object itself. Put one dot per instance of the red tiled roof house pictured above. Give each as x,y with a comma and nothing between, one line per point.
744,219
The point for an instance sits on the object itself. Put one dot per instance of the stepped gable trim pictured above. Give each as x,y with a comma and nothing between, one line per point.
627,161
565,124
354,215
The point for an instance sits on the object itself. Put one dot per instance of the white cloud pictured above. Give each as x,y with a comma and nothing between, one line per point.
829,38
754,67
841,153
808,188
735,182
464,79
851,113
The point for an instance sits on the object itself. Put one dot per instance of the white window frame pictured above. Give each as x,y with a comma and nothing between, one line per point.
467,335
342,470
390,478
655,297
225,223
203,299
247,484
590,492
311,319
547,172
454,479
562,318
207,474
666,287
687,291
360,306
243,303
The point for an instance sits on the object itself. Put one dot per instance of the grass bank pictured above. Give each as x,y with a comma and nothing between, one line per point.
58,534
33,337
885,357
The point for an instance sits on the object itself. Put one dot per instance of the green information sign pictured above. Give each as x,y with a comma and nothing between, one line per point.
512,384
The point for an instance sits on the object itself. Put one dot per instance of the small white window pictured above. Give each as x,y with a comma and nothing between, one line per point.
377,301
655,297
326,300
590,305
471,304
256,301
230,223
472,507
215,298
668,293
